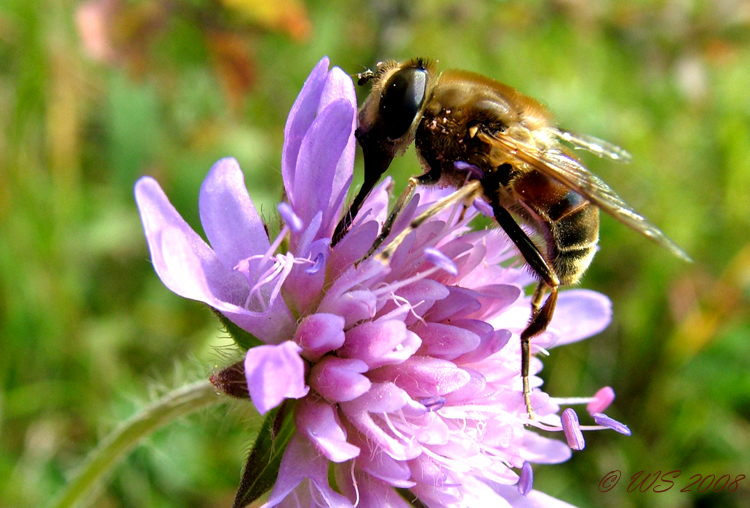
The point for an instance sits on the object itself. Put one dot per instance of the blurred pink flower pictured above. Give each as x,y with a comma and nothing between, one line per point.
406,376
94,21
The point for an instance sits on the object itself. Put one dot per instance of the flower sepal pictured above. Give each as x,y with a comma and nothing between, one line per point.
242,338
231,381
262,466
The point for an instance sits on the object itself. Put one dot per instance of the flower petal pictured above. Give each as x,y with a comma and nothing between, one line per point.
339,85
380,343
381,398
188,266
355,305
319,154
427,471
423,291
320,333
446,341
307,278
273,374
533,499
229,218
394,472
353,246
541,450
319,423
419,296
375,206
460,302
423,376
437,258
300,118
183,261
367,491
580,313
302,461
495,298
468,391
364,230
433,430
490,344
339,379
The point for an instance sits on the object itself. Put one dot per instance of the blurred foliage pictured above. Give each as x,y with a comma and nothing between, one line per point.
95,94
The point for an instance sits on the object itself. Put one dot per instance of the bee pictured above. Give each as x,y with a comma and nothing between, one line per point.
492,143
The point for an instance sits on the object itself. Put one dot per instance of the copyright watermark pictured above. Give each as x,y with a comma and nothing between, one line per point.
662,482
609,481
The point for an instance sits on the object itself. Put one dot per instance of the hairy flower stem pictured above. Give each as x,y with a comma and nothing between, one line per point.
175,404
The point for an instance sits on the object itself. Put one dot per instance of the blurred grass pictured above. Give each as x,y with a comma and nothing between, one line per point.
86,327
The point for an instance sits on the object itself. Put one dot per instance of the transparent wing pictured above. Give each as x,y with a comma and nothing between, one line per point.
573,174
595,145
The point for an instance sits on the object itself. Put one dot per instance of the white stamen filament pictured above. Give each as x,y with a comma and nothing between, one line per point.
570,401
283,264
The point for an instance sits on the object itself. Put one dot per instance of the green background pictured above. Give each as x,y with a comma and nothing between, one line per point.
88,334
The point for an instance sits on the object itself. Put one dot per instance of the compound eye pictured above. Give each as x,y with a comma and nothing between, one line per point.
401,99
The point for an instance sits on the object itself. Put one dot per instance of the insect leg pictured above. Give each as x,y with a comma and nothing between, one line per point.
463,212
414,181
536,300
468,192
539,321
541,315
346,221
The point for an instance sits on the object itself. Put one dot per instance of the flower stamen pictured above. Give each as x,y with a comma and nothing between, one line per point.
440,260
572,430
526,479
611,423
290,218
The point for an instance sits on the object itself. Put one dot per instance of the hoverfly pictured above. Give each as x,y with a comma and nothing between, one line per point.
459,119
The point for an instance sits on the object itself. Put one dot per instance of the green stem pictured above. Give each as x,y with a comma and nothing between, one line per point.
177,403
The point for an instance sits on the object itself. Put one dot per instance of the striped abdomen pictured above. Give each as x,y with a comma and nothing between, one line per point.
569,223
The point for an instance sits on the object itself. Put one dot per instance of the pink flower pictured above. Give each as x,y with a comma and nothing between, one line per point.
405,376
94,20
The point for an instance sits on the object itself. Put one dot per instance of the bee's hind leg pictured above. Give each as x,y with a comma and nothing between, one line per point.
541,314
540,318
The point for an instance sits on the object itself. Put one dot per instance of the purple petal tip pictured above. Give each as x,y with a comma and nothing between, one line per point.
273,373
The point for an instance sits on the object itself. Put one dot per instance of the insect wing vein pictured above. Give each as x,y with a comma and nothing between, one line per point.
573,174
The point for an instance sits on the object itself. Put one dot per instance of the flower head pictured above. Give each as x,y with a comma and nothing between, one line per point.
406,376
